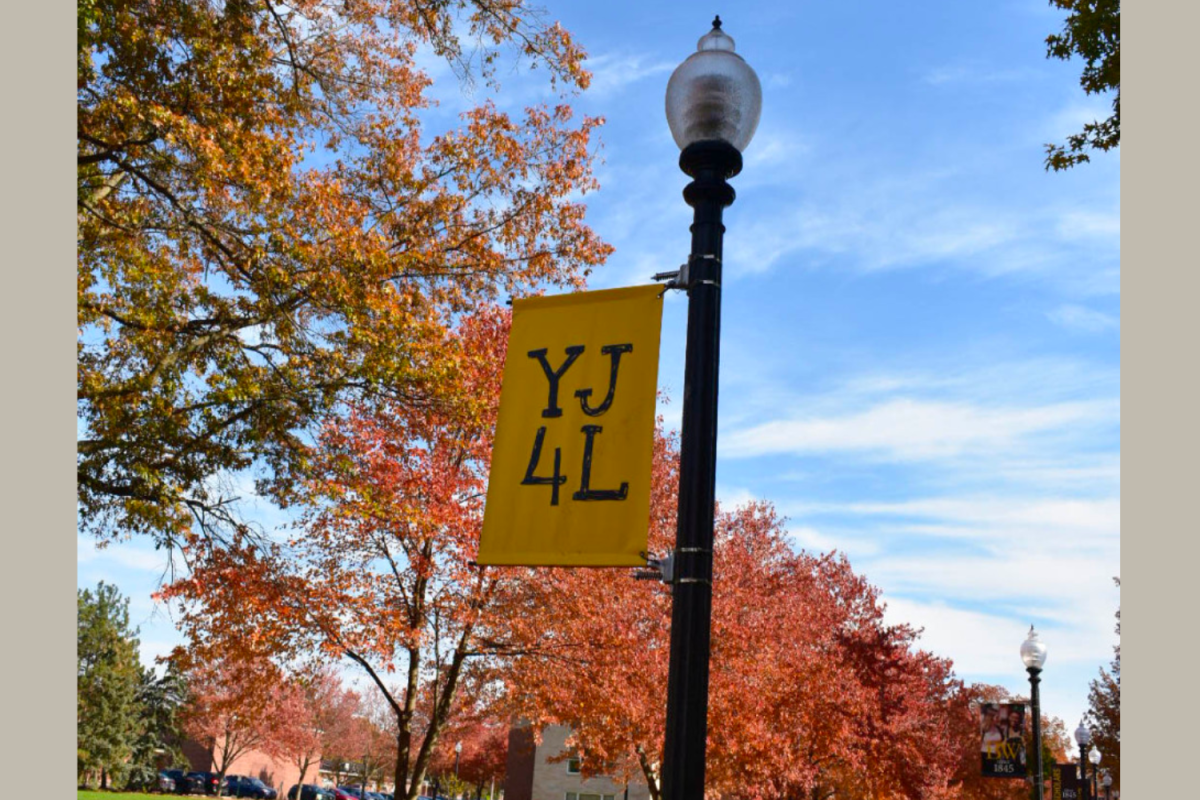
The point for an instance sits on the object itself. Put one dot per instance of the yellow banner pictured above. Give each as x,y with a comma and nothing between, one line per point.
570,475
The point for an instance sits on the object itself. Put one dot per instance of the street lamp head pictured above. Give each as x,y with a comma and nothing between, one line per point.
1107,780
1082,735
1094,756
714,95
458,748
1033,651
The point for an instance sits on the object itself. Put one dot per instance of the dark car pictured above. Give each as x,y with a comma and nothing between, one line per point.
208,780
184,782
241,786
310,792
164,783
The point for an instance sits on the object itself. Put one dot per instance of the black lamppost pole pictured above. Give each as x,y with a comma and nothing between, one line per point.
1094,757
1033,653
1082,737
713,104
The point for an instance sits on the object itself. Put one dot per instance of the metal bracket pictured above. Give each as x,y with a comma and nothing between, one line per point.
677,279
659,569
682,279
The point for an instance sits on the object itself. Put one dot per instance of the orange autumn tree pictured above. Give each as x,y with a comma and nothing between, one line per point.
267,231
484,739
811,694
381,569
967,783
234,708
321,716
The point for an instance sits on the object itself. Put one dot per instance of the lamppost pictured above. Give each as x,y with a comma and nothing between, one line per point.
457,755
1033,653
1094,757
1083,737
713,104
1107,781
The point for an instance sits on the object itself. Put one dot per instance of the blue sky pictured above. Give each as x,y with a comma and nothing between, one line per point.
920,334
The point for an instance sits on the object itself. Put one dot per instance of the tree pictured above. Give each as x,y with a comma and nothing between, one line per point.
319,716
811,694
236,708
484,756
1104,712
267,232
964,717
106,685
381,569
1092,31
160,700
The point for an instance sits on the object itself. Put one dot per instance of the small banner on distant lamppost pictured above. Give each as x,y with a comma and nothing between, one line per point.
1064,782
1002,740
570,475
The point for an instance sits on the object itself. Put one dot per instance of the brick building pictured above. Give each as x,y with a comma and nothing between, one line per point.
532,776
278,773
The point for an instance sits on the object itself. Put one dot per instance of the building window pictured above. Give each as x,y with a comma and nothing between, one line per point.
582,796
572,769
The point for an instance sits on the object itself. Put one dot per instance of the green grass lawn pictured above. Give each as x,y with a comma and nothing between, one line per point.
85,794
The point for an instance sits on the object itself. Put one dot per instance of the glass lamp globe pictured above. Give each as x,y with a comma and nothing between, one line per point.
1082,735
1107,781
714,94
1033,651
1094,756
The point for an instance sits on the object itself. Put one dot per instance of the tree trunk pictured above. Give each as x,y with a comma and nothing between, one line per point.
300,780
103,779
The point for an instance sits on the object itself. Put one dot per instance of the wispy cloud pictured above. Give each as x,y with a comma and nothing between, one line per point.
913,430
125,555
974,74
612,72
1084,320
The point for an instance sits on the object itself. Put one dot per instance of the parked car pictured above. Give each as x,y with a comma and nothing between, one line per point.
164,783
310,792
242,786
184,782
208,780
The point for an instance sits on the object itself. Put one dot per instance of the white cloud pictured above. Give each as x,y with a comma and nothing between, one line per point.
1090,225
1084,320
122,554
815,540
951,74
731,497
912,429
612,72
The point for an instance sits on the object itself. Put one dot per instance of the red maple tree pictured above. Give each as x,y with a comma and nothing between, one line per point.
235,708
381,569
811,693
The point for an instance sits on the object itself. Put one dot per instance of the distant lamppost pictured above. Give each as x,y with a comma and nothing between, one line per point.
1094,757
1033,653
457,755
1108,782
713,104
1083,737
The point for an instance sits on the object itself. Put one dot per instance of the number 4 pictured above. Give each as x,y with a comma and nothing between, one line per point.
556,479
